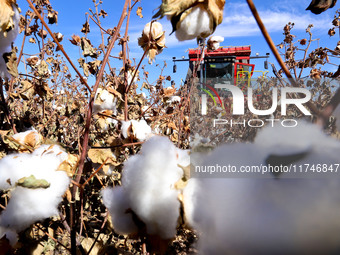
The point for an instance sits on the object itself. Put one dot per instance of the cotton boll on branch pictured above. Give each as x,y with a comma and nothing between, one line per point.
105,120
152,40
150,179
29,138
104,100
173,100
214,42
136,129
117,202
192,19
29,204
196,23
148,189
9,29
267,214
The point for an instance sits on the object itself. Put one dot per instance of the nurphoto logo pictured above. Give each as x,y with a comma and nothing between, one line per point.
239,100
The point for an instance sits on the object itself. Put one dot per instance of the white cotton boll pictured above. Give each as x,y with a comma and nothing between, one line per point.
104,100
216,38
214,42
189,202
125,128
130,75
117,202
156,30
36,61
139,130
308,139
148,179
196,23
152,88
148,189
5,41
112,122
11,168
183,157
59,108
26,205
173,100
109,123
30,137
157,129
266,214
53,153
20,137
290,140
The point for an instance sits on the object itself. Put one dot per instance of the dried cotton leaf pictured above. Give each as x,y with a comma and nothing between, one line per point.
100,155
32,183
69,165
11,62
139,12
88,50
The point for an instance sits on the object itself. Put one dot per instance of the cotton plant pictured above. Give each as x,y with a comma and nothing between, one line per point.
266,213
36,188
192,19
148,190
9,29
136,129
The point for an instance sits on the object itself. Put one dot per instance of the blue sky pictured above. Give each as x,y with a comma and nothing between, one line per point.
238,28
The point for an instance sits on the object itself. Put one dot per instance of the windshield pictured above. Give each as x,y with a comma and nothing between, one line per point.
218,72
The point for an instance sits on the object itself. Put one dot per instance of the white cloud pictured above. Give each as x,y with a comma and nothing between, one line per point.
238,21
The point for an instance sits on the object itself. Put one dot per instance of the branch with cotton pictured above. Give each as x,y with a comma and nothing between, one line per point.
148,195
152,40
192,19
36,188
285,213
